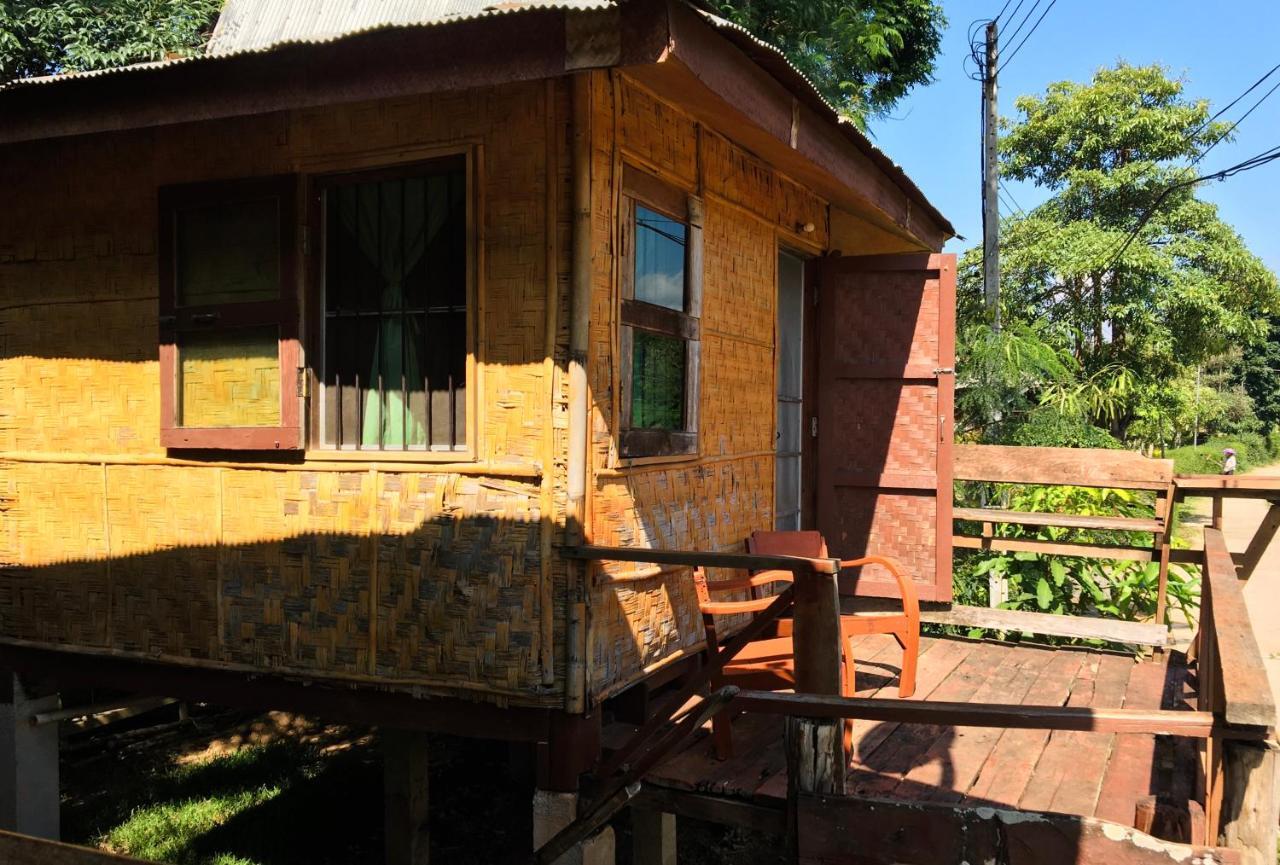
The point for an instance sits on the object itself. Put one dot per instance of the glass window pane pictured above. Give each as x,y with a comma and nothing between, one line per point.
228,253
660,248
229,378
657,381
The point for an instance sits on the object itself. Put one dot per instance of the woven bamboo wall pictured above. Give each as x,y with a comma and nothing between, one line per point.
426,575
715,501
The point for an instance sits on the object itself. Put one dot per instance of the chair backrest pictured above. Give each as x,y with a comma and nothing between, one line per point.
808,544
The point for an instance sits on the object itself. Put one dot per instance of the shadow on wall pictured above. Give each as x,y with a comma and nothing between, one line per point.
460,601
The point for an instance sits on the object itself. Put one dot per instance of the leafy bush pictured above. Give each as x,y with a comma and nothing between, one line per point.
1076,586
1048,427
1252,450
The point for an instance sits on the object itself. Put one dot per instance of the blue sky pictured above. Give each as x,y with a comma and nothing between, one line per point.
1220,48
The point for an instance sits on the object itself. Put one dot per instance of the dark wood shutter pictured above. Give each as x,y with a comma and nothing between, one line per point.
238,329
886,390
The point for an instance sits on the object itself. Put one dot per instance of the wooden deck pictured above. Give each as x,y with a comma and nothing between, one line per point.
1099,775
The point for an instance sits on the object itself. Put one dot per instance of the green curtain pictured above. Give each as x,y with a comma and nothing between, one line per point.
394,223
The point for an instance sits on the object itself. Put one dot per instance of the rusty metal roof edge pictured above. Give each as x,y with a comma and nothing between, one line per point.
770,58
497,10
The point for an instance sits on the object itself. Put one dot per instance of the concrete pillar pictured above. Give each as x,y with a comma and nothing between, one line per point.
552,812
29,795
653,837
407,837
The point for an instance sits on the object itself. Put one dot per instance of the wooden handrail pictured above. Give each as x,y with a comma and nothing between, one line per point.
1081,467
695,559
1235,662
1199,725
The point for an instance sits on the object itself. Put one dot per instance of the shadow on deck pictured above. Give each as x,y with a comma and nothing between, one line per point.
913,777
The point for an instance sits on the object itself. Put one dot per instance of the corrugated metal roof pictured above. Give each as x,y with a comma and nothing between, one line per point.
260,25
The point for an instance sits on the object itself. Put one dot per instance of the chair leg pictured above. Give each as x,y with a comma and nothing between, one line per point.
910,642
722,733
848,687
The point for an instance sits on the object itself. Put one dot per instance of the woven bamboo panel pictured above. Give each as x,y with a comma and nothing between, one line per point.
293,570
230,380
706,506
736,175
458,598
60,594
711,507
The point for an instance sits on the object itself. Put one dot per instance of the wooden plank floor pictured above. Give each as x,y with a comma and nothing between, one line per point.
1086,774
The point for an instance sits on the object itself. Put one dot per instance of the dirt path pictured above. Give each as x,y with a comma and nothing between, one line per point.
1240,519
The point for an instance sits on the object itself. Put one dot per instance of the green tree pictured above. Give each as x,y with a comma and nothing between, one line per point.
863,55
1184,291
1259,373
42,37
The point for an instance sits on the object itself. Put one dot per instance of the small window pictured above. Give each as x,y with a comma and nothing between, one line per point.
229,316
395,321
661,301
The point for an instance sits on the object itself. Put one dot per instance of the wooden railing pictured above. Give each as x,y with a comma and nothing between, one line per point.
18,849
1234,721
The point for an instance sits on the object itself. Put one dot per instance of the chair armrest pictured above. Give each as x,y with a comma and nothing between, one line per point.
910,600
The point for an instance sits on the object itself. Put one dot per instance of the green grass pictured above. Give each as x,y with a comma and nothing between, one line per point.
262,805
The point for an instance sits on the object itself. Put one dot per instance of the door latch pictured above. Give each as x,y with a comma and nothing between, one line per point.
944,370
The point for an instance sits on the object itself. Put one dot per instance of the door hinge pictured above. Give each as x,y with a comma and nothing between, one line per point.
303,380
944,370
306,240
813,427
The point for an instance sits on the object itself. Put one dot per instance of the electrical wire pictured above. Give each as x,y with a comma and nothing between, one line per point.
1232,127
1031,33
1023,22
1252,87
1261,159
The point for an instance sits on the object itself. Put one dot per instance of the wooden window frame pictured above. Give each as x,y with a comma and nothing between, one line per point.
318,184
282,312
653,193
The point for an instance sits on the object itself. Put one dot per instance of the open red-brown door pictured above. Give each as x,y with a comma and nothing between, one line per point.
886,389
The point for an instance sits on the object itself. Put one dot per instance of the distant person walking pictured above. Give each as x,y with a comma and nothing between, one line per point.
1229,462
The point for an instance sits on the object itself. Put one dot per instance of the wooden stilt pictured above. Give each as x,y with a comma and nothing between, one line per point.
404,775
653,837
1250,803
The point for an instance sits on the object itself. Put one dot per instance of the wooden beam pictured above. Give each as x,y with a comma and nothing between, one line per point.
714,809
1260,541
843,830
1198,725
406,833
18,849
1251,799
362,704
1082,467
1066,521
1049,624
1246,692
1054,548
1231,486
691,559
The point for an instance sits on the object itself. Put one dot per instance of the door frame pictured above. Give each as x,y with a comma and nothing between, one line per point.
808,386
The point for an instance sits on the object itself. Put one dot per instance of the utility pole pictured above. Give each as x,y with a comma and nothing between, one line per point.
990,184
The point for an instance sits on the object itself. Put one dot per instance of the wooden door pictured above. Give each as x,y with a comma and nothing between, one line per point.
886,388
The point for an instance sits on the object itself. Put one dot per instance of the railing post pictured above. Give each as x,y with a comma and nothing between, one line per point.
816,758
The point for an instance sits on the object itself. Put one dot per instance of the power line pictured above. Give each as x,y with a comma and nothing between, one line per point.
1261,159
1252,87
1023,22
1004,7
1034,28
1232,127
1009,193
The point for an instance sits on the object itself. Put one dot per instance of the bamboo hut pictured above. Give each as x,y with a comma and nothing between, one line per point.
319,349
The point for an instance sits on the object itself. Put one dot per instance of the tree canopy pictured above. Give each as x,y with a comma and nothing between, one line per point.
1185,290
863,55
42,37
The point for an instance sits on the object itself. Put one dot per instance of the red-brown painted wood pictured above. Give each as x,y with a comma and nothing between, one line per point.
886,348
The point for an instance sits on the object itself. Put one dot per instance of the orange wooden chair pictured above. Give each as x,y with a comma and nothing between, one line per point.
769,664
904,626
